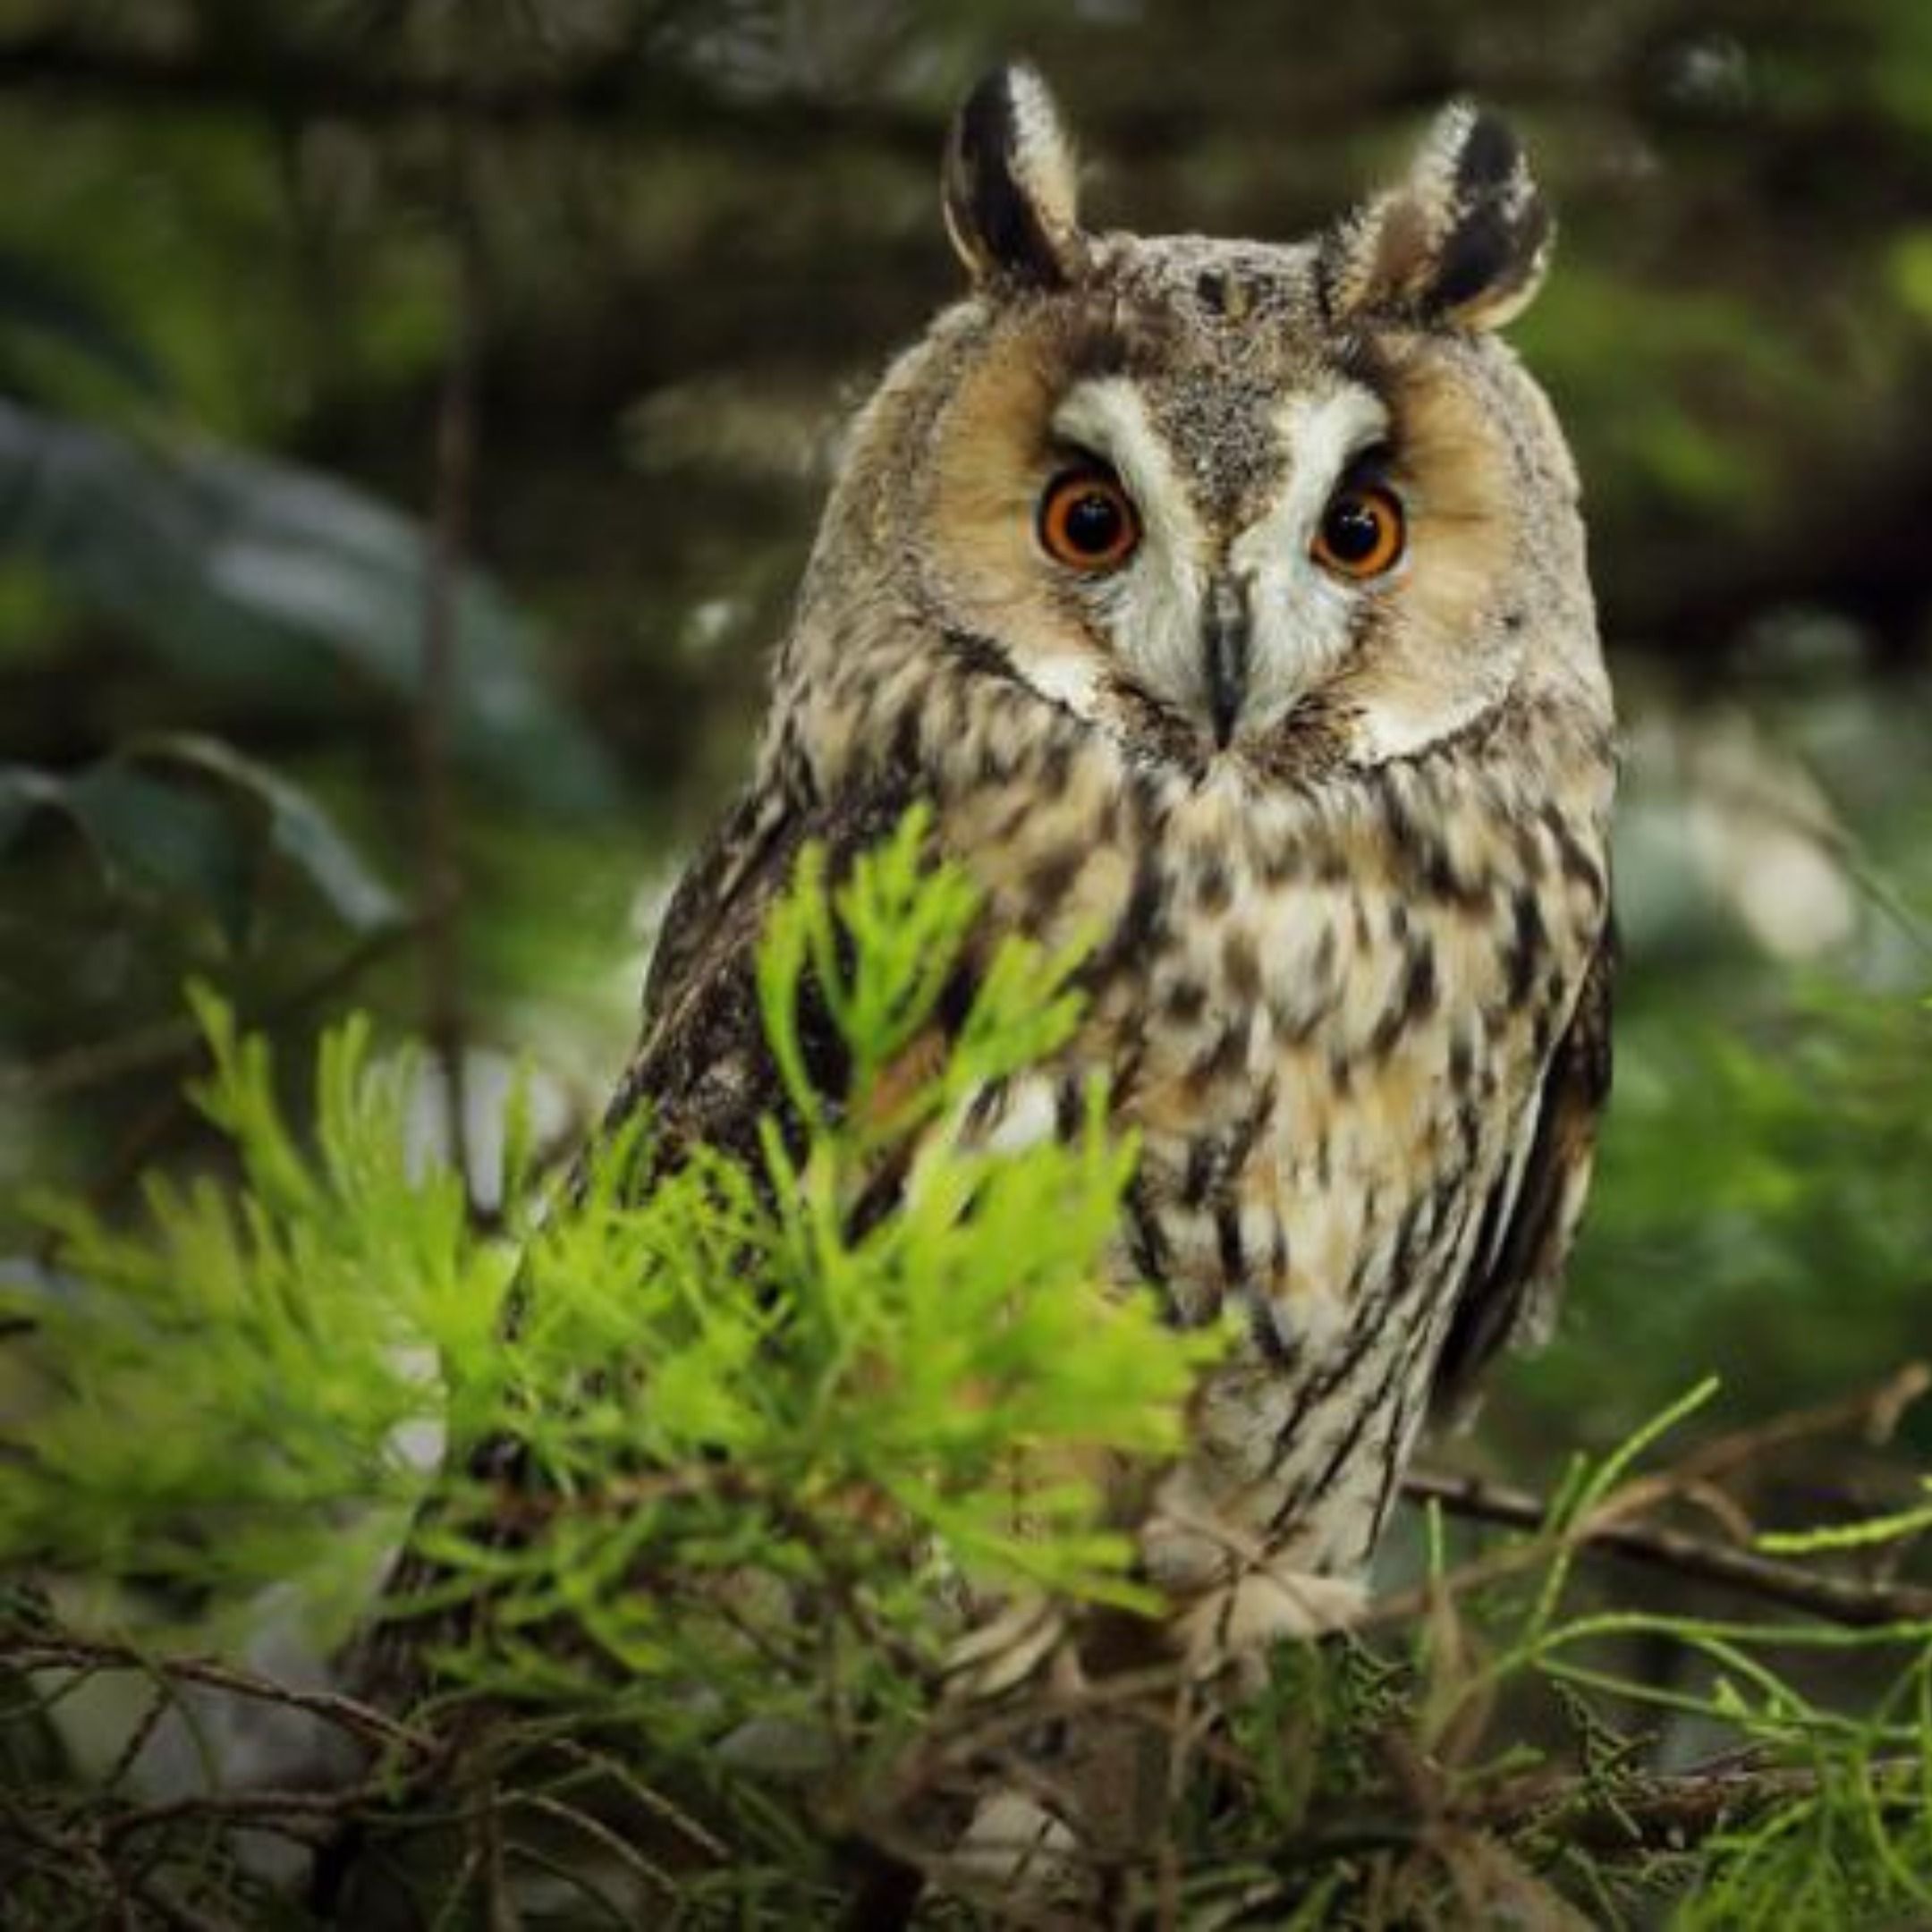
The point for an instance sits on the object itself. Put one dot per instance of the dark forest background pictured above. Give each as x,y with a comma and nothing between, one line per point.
413,419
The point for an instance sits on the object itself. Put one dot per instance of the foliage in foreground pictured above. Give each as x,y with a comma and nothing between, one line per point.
697,1674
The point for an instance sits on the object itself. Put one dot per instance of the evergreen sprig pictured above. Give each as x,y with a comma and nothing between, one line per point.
728,1378
220,1398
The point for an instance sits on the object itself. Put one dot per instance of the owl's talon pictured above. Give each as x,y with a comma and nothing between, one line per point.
1235,1623
1029,1634
1014,1842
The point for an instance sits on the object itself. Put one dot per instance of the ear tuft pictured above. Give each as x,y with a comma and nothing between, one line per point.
1010,191
1461,244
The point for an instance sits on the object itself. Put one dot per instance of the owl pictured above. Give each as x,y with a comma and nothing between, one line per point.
1227,599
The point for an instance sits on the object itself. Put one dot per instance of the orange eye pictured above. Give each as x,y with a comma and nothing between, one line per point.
1361,532
1088,522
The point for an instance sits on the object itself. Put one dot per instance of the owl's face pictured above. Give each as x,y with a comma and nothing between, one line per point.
1236,501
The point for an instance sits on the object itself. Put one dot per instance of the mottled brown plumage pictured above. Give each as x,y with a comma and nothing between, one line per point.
1343,839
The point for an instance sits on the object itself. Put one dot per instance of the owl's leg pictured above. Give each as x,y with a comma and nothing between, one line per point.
1233,1600
1016,1844
1024,1838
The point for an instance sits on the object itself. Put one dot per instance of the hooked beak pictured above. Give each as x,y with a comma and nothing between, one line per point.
1226,632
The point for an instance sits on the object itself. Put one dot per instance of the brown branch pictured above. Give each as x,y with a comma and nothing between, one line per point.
1837,1599
94,1063
261,1809
435,690
179,1044
649,98
360,1720
1872,1414
74,1863
176,1044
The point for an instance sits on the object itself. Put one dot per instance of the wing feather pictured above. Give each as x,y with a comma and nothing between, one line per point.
1531,1220
702,1064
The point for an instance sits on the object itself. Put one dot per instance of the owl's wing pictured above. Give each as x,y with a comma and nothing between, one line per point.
702,1064
1531,1219
762,827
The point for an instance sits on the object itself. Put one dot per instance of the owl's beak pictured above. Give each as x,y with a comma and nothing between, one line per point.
1227,629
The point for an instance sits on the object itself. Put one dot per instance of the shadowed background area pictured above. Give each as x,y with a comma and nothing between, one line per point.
413,415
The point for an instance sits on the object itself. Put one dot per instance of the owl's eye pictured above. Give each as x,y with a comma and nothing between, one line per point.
1361,532
1088,522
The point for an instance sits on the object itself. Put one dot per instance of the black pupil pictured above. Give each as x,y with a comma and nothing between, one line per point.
1093,523
1352,529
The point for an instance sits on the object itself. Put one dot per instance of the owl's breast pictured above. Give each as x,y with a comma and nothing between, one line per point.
1324,1013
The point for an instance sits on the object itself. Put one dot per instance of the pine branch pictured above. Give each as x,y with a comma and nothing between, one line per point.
1629,1816
1671,1813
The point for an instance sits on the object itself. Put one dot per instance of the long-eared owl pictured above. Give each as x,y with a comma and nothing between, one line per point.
1227,600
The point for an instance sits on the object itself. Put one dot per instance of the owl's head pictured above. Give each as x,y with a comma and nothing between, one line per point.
1234,500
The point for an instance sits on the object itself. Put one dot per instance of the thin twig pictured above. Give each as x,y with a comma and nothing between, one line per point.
95,1062
1872,1414
72,1861
602,1765
1837,1599
499,1910
138,1737
177,1044
280,1808
655,1878
359,1720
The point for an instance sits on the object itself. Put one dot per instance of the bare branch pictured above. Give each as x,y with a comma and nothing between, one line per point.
435,689
174,1046
1838,1599
347,1714
1871,1414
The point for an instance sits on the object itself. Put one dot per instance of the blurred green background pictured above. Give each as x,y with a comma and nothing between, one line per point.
412,418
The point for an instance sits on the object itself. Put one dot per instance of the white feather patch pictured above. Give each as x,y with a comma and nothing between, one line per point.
1151,608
